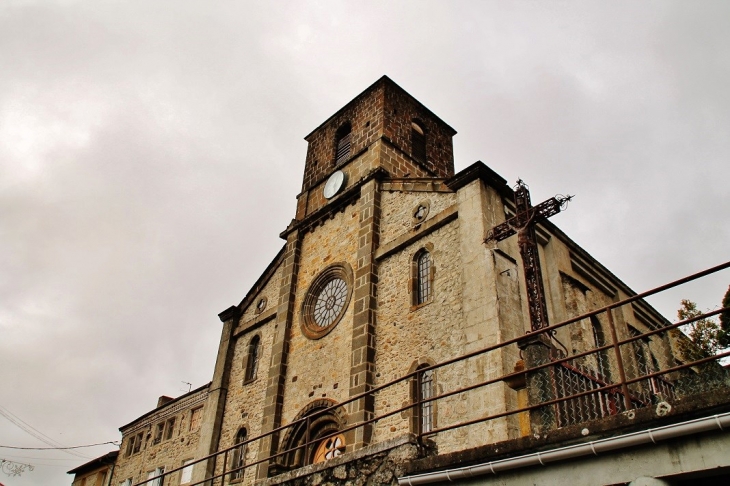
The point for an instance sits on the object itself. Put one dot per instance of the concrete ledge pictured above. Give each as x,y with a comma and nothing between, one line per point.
257,321
686,408
415,185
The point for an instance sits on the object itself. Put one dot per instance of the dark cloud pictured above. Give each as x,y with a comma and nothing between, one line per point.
151,152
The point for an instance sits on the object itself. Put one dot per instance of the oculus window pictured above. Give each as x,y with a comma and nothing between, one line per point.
326,300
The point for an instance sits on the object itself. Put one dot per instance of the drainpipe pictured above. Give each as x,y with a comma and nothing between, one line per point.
707,424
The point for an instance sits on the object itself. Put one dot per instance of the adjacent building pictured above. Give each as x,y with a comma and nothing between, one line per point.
97,472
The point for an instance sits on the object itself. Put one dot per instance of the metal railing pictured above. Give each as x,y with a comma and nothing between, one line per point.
573,389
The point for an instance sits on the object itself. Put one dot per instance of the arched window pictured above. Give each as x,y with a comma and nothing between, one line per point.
315,439
422,277
329,448
342,143
422,389
252,359
238,455
599,340
418,142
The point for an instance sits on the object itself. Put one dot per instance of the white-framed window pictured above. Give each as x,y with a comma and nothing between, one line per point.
126,482
186,475
154,473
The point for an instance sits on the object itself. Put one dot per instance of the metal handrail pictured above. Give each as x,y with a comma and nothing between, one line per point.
624,382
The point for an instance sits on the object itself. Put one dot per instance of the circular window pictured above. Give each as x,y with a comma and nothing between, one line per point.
421,211
261,305
326,300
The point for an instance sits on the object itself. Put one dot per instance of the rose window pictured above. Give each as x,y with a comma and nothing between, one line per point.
326,301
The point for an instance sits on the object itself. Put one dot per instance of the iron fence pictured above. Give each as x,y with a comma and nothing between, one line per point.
611,376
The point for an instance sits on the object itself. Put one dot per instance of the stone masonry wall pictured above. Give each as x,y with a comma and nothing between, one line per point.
379,154
270,292
398,208
321,368
380,464
428,334
245,400
354,170
400,110
364,115
169,454
384,109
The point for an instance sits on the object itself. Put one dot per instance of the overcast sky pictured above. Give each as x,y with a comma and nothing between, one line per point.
151,152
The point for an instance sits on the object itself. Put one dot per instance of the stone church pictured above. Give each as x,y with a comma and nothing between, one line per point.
391,340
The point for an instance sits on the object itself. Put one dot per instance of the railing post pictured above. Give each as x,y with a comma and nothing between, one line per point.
225,465
619,360
306,443
536,351
417,423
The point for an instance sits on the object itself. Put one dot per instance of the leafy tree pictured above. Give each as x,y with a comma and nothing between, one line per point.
725,321
705,333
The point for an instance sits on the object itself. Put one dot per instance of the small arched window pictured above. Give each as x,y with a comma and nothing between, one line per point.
599,340
238,455
422,277
418,142
343,138
422,389
252,358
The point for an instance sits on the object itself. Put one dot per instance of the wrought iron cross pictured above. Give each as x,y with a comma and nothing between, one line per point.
523,223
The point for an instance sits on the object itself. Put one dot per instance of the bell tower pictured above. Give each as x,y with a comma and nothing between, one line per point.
326,308
382,128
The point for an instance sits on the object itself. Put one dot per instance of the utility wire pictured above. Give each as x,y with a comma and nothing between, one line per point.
35,432
62,448
65,459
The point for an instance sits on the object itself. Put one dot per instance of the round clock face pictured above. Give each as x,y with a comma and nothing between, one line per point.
334,184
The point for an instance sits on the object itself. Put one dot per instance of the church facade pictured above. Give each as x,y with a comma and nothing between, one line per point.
387,337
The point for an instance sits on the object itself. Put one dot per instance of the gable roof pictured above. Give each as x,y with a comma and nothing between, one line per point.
105,460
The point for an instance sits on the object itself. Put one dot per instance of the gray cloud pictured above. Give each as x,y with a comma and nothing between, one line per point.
151,152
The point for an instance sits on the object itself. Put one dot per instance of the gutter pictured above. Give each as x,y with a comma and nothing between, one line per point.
707,424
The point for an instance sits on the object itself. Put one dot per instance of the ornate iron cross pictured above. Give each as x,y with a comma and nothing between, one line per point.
523,223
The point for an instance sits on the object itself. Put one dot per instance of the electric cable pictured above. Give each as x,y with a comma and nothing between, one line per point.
63,448
26,427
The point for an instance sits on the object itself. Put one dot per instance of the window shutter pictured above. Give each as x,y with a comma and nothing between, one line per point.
343,149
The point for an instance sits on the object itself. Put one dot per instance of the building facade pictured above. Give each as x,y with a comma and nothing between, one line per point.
162,440
388,336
